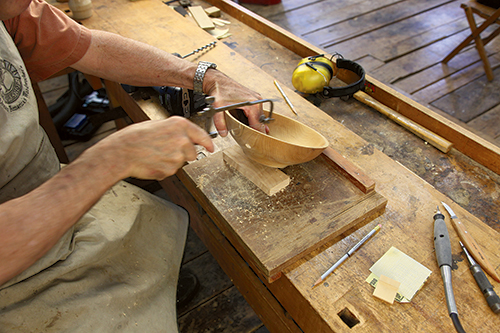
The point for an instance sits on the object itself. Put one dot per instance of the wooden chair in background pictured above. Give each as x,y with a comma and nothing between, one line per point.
491,15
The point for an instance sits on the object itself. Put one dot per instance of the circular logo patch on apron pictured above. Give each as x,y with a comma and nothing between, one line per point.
13,86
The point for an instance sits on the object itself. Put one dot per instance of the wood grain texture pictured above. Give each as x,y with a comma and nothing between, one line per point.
470,100
269,180
468,143
408,220
423,133
276,231
251,287
201,18
288,141
349,170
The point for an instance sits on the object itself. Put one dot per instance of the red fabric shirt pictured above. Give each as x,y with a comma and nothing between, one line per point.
47,39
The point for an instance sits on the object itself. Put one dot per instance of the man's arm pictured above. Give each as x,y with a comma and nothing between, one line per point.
123,60
32,224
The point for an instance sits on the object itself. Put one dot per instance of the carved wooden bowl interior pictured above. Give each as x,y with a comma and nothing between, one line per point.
289,142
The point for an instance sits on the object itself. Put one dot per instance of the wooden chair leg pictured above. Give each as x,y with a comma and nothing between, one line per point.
479,43
476,31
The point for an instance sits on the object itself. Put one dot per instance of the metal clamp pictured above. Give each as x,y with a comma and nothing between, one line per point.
210,111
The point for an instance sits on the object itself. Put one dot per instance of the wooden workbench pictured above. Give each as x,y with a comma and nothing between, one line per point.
289,303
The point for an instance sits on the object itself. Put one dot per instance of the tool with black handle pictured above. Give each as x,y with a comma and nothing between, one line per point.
442,246
176,100
482,281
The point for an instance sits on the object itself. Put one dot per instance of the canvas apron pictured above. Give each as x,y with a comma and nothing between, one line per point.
115,270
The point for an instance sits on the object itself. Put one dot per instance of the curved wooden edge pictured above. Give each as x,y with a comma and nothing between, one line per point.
463,140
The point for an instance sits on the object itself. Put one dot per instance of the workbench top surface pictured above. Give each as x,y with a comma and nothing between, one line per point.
407,172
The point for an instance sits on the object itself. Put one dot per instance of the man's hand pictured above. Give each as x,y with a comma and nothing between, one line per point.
151,149
227,91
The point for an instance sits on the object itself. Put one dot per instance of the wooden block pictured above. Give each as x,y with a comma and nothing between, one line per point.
213,11
386,289
201,17
349,170
268,179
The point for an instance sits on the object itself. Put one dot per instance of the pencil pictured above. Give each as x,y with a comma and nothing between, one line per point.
347,255
285,97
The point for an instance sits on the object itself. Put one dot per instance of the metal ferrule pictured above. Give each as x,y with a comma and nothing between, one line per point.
448,289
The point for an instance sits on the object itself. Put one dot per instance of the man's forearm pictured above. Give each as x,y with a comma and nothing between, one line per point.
123,60
33,224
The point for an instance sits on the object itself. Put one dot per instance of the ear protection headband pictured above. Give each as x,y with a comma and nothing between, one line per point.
313,74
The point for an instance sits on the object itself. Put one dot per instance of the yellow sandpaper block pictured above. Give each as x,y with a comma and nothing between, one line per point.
268,179
201,17
386,289
213,11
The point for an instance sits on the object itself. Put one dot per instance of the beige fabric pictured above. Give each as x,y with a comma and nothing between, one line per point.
42,167
120,272
20,133
116,269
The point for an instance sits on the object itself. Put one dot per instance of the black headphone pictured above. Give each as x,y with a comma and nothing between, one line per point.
313,74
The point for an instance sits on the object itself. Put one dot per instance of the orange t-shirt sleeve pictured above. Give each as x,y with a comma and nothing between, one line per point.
48,40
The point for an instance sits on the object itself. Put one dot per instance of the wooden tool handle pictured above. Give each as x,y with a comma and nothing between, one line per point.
474,249
431,137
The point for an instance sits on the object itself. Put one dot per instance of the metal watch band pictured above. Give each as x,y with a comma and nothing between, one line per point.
199,75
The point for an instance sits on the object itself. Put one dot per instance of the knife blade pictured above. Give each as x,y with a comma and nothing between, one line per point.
471,244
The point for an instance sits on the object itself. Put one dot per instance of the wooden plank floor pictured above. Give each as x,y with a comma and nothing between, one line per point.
402,43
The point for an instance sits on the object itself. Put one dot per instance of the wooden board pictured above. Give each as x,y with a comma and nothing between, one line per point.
318,205
269,180
306,20
417,61
401,37
345,30
243,277
453,78
425,79
488,123
472,99
199,15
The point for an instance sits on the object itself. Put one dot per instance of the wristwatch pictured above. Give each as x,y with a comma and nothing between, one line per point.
199,75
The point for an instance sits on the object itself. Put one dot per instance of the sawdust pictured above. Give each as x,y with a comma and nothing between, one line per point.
202,180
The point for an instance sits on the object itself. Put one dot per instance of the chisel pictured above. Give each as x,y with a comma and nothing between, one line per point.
471,244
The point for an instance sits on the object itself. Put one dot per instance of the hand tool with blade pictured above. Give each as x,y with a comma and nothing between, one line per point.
471,244
209,111
482,281
443,255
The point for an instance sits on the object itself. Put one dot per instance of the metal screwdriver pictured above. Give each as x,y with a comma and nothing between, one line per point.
482,281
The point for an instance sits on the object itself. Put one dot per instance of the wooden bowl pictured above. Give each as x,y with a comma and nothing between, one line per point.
288,142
